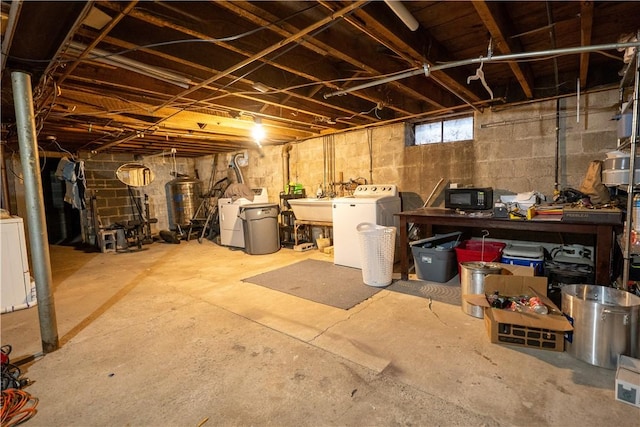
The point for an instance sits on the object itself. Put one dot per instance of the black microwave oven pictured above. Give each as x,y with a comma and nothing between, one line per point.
468,198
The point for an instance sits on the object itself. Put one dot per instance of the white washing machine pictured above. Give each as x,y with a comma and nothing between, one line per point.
376,204
231,230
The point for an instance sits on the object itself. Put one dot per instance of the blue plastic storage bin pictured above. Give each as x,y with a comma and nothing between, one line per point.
527,255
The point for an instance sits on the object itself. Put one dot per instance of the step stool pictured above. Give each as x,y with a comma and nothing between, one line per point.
107,240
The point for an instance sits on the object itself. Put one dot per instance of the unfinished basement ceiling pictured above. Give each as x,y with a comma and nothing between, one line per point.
150,76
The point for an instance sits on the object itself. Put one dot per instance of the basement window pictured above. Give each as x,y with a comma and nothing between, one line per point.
450,130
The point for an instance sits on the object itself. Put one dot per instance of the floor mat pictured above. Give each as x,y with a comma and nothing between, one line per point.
319,281
443,292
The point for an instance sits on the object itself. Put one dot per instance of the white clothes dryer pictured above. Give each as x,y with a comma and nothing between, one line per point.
231,230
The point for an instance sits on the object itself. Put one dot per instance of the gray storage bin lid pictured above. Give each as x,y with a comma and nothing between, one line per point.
523,251
439,241
253,210
258,206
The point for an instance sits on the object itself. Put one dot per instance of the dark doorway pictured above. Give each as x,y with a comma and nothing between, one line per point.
63,221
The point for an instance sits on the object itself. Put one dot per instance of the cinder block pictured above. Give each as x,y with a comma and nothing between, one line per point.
107,240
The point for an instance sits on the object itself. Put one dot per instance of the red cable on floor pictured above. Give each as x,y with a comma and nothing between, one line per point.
18,406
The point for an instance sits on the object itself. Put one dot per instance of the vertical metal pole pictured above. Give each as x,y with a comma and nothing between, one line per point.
556,184
41,262
5,202
626,255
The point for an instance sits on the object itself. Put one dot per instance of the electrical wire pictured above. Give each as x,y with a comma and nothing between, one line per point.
193,103
303,85
191,107
42,117
18,406
170,42
266,60
55,141
362,113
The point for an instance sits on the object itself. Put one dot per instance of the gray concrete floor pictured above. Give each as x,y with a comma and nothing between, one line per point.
171,336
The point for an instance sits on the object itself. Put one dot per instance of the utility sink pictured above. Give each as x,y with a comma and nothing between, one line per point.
310,209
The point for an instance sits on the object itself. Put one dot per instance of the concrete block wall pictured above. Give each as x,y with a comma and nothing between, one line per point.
112,201
514,150
591,136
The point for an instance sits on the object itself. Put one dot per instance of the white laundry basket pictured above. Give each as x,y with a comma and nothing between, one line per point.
377,247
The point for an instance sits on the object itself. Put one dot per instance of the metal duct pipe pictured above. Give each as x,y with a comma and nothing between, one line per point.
12,23
285,164
236,168
332,173
427,70
329,156
108,58
39,243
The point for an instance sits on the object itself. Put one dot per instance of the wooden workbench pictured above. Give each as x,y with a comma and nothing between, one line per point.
602,234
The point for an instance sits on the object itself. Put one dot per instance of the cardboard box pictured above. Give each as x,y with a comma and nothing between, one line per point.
628,380
516,270
543,331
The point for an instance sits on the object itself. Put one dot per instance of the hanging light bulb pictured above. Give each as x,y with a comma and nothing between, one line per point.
258,131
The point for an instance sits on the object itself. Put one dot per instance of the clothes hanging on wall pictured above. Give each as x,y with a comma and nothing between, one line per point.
72,173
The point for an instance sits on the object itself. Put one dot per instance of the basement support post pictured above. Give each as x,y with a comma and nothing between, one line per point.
39,243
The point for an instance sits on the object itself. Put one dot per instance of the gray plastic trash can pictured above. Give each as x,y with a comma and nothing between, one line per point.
260,225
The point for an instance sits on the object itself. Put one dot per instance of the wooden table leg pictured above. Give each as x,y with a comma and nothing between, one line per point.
604,246
404,246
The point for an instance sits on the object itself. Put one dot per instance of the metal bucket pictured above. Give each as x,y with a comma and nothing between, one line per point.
472,276
606,323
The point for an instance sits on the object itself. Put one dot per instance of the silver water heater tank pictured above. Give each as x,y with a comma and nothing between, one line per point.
185,196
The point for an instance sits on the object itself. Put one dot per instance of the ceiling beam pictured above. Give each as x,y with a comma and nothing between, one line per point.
374,21
69,69
263,18
244,63
496,20
586,25
343,109
260,55
162,91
